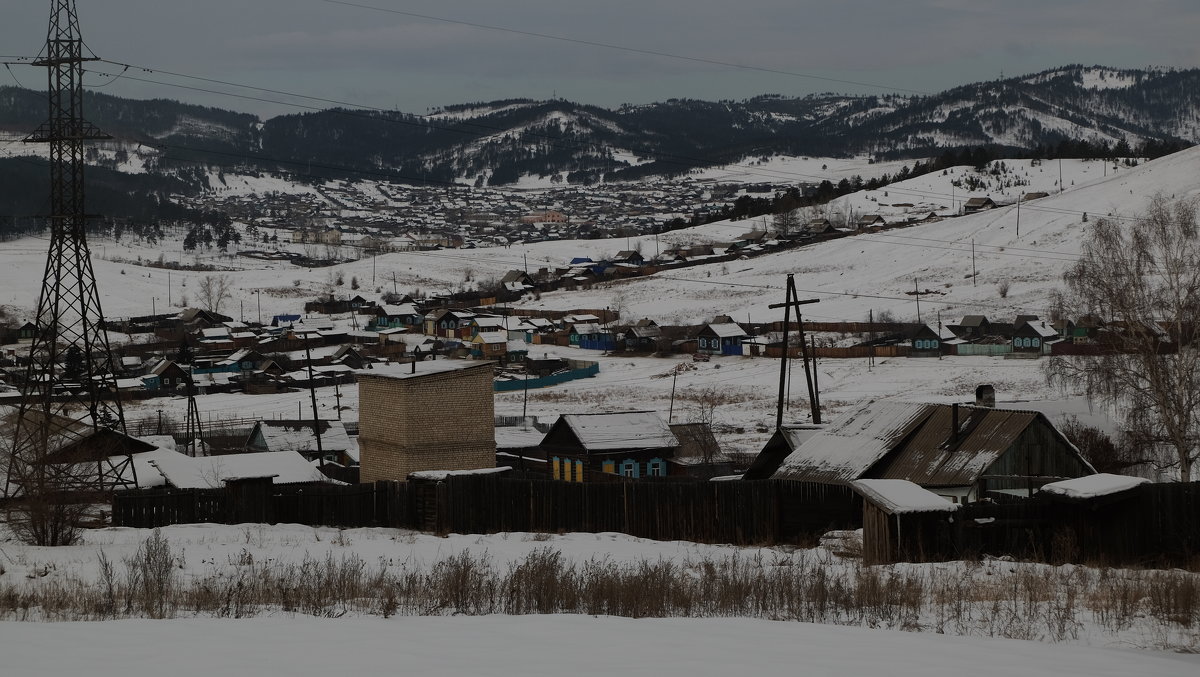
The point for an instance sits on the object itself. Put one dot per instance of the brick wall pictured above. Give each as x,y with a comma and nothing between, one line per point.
436,421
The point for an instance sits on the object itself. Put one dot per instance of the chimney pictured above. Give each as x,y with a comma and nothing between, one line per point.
985,396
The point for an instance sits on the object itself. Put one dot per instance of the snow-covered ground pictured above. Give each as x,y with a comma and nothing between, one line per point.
1082,611
537,646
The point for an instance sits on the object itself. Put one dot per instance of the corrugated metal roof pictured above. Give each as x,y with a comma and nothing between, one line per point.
929,459
848,449
626,430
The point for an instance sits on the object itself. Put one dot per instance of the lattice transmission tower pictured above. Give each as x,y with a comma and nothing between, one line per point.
69,391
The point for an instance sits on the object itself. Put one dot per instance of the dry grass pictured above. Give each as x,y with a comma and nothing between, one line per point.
997,599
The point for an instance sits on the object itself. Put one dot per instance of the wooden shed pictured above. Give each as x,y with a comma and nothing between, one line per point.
902,522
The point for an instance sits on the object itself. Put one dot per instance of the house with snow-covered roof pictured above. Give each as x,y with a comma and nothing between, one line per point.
631,443
1031,336
929,339
721,339
958,451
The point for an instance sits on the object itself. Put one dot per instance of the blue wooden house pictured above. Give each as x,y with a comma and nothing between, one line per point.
721,339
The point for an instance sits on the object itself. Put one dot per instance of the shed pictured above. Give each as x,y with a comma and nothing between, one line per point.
902,522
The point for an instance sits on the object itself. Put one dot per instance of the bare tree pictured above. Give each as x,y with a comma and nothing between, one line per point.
1146,277
786,222
214,291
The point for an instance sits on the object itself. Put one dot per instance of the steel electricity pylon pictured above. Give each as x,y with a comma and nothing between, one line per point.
69,391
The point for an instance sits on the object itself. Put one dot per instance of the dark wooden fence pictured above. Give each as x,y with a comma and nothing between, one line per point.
1152,524
716,512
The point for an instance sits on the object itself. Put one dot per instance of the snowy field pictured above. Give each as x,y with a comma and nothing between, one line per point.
536,646
717,596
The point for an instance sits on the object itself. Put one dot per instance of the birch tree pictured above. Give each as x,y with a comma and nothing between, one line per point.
1145,278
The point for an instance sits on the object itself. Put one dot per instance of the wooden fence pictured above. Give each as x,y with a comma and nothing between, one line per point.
717,512
1152,524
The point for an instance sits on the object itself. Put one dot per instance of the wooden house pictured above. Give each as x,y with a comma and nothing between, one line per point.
870,220
643,336
489,345
391,316
27,332
961,452
166,375
1030,335
633,444
629,256
928,341
978,204
721,339
972,327
449,323
592,336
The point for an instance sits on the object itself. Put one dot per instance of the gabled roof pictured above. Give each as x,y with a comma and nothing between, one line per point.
208,472
297,435
396,310
491,337
845,451
616,431
726,330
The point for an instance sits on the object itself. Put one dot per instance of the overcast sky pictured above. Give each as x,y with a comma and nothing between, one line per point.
389,60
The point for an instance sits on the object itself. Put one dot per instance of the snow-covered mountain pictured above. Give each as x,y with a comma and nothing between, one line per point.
500,142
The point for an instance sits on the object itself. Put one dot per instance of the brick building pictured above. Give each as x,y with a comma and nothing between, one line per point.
440,417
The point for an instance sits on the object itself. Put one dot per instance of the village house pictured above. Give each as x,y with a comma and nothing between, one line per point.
1032,335
721,339
643,336
489,345
449,323
963,453
165,375
592,336
978,204
928,341
389,316
633,444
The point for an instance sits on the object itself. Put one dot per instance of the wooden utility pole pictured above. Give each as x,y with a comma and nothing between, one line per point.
917,291
792,300
1019,215
312,392
974,275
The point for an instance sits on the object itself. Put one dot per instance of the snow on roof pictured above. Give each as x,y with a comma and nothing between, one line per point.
401,309
491,337
727,330
294,435
941,331
1093,486
846,450
209,472
1042,329
439,475
424,368
901,496
518,437
626,430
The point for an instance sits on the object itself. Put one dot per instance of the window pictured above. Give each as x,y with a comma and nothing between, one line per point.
609,467
555,468
629,468
578,471
1035,343
656,468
